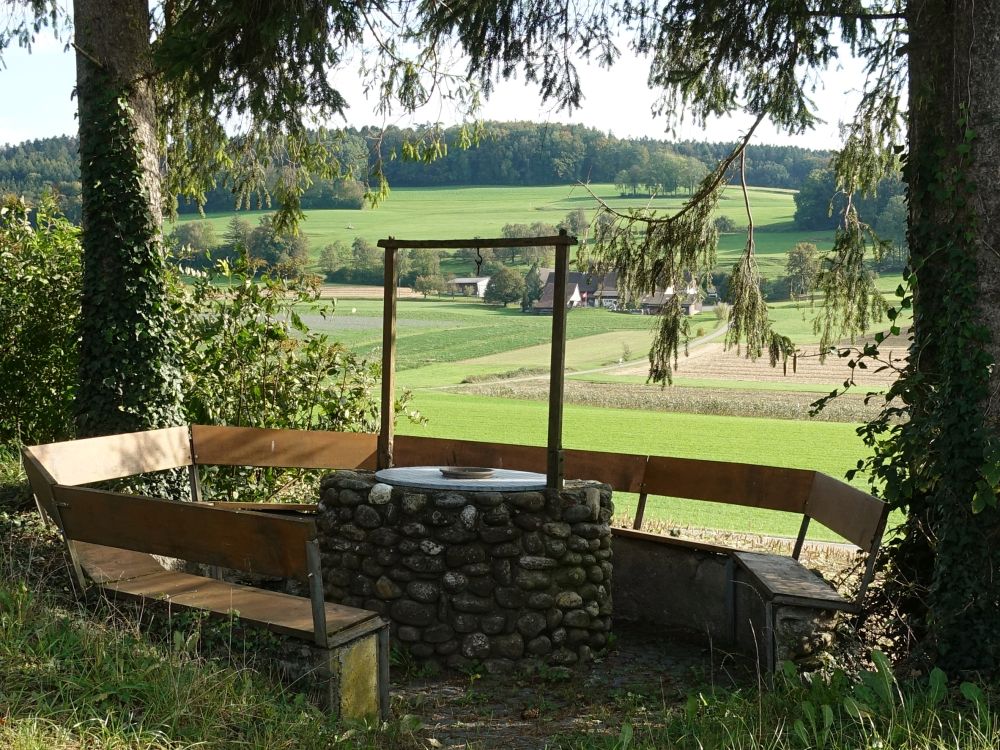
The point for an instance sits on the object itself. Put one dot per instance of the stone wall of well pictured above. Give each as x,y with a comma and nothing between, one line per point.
463,577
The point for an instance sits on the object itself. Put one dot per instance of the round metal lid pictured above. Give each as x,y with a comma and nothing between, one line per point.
431,478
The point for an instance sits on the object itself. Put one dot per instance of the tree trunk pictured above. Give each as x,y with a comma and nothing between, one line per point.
129,379
953,180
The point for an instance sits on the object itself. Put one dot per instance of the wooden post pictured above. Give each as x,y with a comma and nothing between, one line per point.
557,373
391,282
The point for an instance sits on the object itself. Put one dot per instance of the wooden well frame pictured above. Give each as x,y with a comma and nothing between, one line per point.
557,376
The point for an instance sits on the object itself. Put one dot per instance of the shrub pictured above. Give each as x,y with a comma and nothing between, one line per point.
250,360
40,278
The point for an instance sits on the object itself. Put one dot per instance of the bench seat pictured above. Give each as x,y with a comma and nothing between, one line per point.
786,580
138,575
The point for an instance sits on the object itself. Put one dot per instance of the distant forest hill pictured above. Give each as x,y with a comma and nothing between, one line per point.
510,153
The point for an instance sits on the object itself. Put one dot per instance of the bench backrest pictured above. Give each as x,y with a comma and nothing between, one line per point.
299,449
767,487
855,515
243,540
102,458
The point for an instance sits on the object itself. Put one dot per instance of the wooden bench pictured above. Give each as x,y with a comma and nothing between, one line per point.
111,539
779,579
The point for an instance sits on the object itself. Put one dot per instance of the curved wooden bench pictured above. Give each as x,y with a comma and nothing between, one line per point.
111,539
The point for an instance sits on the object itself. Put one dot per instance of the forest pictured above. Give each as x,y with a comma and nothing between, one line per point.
505,153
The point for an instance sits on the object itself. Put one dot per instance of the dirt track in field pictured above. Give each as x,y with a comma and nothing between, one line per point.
364,292
712,362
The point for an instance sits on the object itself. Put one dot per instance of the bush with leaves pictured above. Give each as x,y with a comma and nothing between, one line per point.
250,360
39,305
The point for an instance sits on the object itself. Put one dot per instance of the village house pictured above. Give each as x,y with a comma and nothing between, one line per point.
545,304
652,304
596,290
472,286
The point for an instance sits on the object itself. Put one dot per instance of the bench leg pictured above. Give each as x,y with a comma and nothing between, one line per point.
354,676
730,603
769,636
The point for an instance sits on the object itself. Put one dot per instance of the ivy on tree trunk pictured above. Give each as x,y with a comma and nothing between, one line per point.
129,378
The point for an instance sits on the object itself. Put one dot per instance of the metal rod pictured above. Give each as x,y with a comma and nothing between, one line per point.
557,373
391,282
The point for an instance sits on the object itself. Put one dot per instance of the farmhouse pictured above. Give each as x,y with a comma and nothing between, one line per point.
545,304
690,303
596,289
472,286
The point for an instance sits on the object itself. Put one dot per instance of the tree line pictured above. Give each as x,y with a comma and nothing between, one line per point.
507,153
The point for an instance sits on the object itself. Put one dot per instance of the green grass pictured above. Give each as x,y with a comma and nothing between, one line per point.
832,448
457,212
699,383
432,332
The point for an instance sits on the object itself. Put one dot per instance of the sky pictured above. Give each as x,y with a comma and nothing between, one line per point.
36,102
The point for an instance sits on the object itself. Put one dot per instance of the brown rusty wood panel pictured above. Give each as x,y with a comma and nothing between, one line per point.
41,482
301,449
754,486
855,515
482,242
265,507
113,456
387,397
275,610
253,542
623,471
425,451
103,564
671,541
786,577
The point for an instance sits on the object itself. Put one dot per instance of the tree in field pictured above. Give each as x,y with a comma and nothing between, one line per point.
425,262
802,268
277,249
724,224
504,287
427,285
331,258
237,234
366,262
194,237
533,287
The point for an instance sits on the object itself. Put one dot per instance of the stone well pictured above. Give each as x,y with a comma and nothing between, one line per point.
470,574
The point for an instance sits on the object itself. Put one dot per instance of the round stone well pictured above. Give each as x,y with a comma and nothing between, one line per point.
499,570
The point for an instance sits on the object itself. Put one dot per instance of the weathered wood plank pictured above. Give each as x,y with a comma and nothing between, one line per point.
750,485
557,370
113,456
387,403
104,564
623,471
672,541
786,577
274,610
41,482
425,451
553,240
265,507
855,515
252,542
301,449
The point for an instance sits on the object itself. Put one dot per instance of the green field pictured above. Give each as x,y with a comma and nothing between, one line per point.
438,331
457,212
832,448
